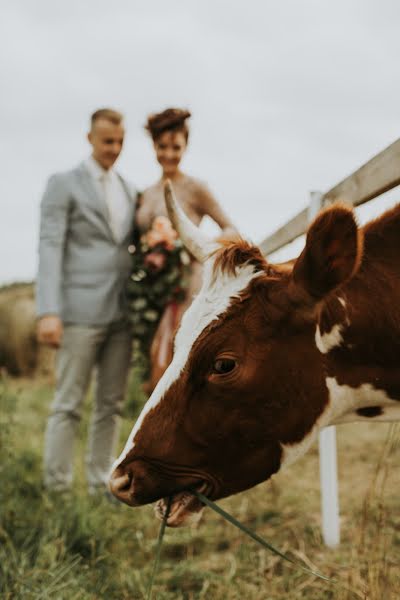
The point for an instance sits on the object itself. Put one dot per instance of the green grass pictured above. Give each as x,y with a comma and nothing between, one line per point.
77,547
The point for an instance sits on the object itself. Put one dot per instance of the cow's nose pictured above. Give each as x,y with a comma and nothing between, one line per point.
120,484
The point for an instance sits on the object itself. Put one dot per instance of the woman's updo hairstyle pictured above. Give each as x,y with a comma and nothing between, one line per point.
171,119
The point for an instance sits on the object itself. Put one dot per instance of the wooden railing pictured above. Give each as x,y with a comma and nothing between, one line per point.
377,176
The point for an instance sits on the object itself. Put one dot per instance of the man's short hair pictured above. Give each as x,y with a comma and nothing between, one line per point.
108,114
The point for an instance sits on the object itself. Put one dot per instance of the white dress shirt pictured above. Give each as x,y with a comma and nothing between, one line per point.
109,187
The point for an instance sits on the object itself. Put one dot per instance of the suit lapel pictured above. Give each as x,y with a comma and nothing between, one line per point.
99,207
131,212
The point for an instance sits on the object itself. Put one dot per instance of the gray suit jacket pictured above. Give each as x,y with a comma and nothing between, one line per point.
82,270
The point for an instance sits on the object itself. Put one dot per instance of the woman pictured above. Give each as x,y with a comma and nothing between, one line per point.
169,132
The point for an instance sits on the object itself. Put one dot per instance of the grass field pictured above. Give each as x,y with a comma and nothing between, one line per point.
82,548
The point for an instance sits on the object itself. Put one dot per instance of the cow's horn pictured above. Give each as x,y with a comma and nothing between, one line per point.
194,240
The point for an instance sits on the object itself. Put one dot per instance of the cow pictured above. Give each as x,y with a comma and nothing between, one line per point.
265,357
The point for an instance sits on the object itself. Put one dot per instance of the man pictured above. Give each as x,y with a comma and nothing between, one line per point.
86,224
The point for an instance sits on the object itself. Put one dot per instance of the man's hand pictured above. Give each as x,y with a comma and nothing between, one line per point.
49,331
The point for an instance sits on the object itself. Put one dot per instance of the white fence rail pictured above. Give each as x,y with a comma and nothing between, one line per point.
379,175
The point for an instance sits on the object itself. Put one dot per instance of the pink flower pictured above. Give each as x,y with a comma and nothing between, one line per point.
161,232
155,261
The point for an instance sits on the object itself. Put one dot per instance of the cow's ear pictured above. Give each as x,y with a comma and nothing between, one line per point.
332,253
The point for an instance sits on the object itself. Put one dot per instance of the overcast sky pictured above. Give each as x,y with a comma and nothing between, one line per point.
287,96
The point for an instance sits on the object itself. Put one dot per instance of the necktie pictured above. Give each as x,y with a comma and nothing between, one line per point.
106,183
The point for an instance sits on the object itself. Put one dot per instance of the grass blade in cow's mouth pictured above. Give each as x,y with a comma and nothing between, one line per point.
185,508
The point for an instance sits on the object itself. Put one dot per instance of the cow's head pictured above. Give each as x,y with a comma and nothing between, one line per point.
245,390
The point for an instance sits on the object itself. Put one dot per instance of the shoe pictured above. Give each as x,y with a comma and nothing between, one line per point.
59,495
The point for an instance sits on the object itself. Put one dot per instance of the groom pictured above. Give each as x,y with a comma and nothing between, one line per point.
86,224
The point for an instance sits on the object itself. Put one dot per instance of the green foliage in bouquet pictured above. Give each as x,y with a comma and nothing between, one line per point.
159,276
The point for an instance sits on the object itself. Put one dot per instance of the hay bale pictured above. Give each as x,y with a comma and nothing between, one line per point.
20,353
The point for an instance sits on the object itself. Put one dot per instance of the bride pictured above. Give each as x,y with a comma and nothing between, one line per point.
169,132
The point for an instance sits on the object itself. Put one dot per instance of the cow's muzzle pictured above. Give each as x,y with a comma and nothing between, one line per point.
120,485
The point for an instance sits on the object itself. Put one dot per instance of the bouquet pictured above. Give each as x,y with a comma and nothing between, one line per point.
160,275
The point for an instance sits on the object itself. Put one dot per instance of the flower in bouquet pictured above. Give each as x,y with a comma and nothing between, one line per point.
155,261
161,233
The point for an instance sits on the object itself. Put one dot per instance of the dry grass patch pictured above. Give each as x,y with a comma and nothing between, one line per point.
83,548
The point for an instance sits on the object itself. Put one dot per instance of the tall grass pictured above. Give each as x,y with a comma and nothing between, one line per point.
78,547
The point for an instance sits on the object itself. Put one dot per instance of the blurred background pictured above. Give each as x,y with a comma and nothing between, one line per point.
286,97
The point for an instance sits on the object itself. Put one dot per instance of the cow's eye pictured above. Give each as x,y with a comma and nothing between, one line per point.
224,365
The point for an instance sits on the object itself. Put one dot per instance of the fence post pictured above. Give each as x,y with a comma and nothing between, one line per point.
327,450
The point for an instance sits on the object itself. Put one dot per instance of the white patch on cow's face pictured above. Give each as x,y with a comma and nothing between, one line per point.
212,301
344,401
329,340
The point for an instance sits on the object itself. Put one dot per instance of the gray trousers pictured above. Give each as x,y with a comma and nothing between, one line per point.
108,350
